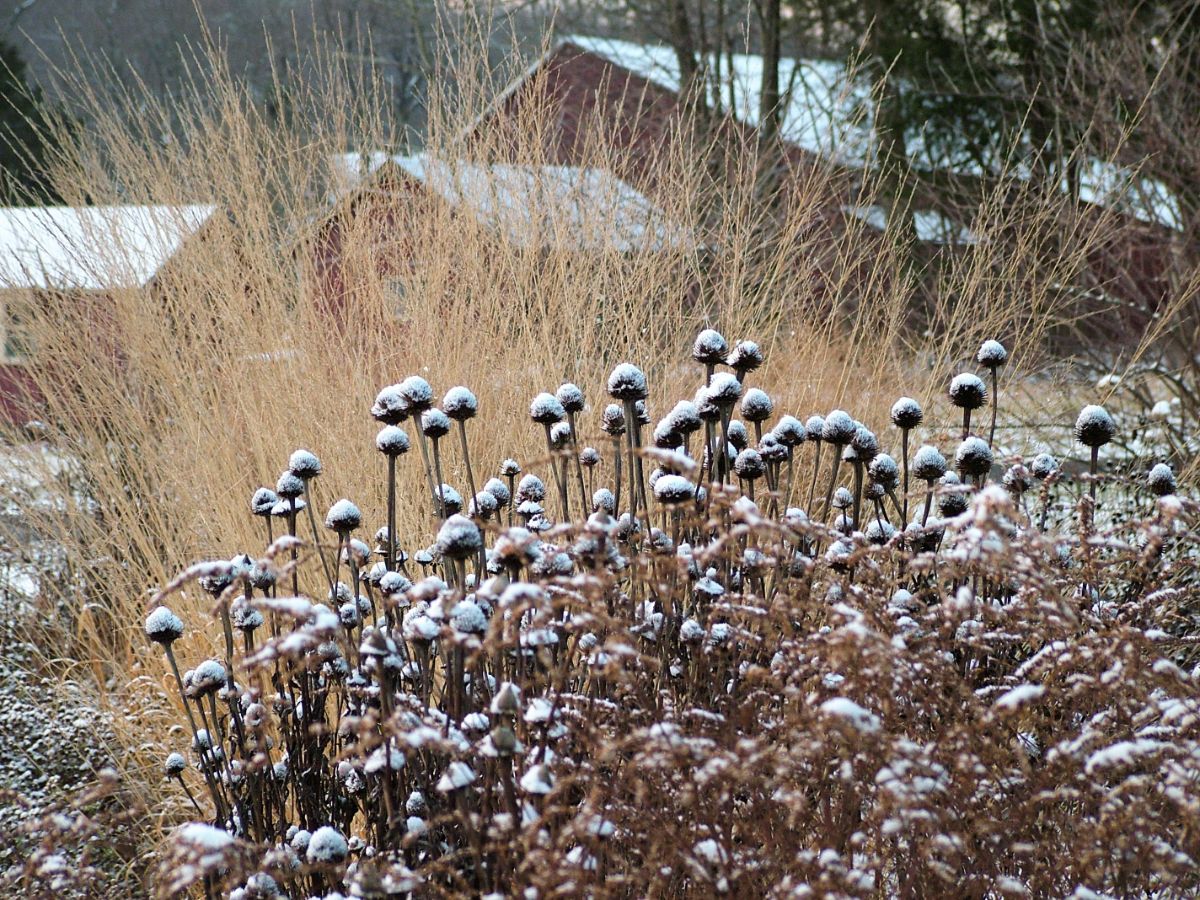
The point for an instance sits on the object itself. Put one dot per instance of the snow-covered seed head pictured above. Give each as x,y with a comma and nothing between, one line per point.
746,356
671,490
163,626
459,538
546,410
499,490
627,383
570,396
1094,427
1161,480
392,441
992,354
879,532
951,502
967,391
749,464
1017,479
906,413
641,413
884,471
343,517
262,501
281,509
484,505
434,423
771,449
589,457
531,488
1043,466
842,498
865,443
838,428
685,418
304,465
394,583
391,406
706,408
326,847
724,390
289,486
612,420
756,406
468,618
928,463
246,618
417,392
208,677
709,348
510,468
814,427
974,457
789,431
665,436
603,500
174,765
738,436
449,498
560,435
460,404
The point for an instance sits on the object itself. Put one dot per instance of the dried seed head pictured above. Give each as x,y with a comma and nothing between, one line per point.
589,457
789,431
459,538
814,427
1017,479
612,420
304,465
468,618
906,413
262,501
884,472
665,436
1094,427
756,406
343,517
992,354
434,423
706,408
838,428
603,500
417,392
391,406
724,390
246,618
282,509
560,435
499,490
771,449
865,443
450,498
951,502
570,396
973,458
163,626
546,410
749,464
738,436
326,847
484,505
510,468
641,413
627,382
531,488
289,486
685,418
208,677
967,391
392,441
710,348
1043,466
1161,480
929,464
842,498
879,532
174,765
394,583
460,404
746,356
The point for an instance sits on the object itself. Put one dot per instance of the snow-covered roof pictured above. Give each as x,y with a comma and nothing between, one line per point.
91,248
931,227
532,205
828,113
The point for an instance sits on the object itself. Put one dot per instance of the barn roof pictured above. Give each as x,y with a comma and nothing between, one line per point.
92,248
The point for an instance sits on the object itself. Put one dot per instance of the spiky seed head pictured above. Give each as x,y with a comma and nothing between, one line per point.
392,441
738,436
459,538
282,509
641,413
928,463
756,406
343,517
612,420
393,583
1017,479
604,500
749,464
484,505
510,468
327,846
262,501
560,435
627,382
208,677
906,413
671,490
842,498
417,392
967,391
1094,427
850,455
589,457
546,410
951,502
246,618
685,418
174,765
771,449
434,423
974,457
665,436
710,348
450,498
879,532
790,431
865,443
746,356
706,408
163,626
460,404
1161,480
391,406
884,471
304,465
571,397
992,354
838,428
531,488
814,427
468,618
499,490
1043,466
724,389
289,486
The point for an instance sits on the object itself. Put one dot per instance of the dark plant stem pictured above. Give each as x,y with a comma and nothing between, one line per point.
995,403
312,520
391,514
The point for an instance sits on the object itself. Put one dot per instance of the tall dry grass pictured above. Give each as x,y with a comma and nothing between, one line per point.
176,402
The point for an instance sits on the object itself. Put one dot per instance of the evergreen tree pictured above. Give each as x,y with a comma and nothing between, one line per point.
23,145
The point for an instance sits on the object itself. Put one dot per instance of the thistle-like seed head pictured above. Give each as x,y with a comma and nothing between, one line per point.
1094,427
967,391
709,348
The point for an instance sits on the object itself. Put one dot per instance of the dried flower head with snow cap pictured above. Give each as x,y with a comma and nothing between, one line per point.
967,391
510,468
789,431
1043,466
672,490
589,457
163,626
289,486
459,538
531,488
460,404
906,413
304,465
612,420
973,458
327,846
814,427
992,354
928,463
499,490
546,410
724,390
264,498
1094,427
627,382
838,428
391,406
343,517
434,423
392,441
1161,480
709,348
746,356
756,406
174,765
571,397
417,392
